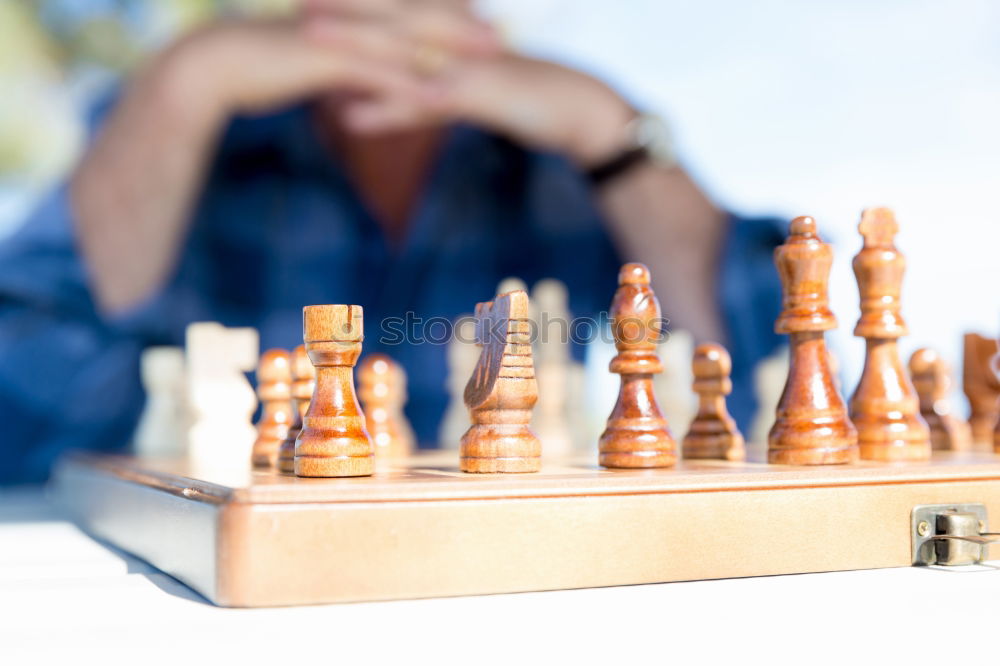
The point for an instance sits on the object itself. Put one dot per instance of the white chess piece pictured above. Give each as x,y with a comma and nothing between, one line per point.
553,368
769,382
463,354
222,400
163,427
677,401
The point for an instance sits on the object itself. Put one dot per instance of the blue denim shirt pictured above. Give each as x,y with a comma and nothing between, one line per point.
278,227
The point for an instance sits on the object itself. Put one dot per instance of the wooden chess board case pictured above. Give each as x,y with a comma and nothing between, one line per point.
425,529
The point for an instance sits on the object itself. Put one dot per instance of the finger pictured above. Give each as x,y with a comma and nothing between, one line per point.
371,9
434,27
286,66
365,39
384,114
382,9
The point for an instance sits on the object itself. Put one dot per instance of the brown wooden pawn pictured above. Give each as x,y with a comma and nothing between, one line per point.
274,378
932,379
811,425
713,433
636,435
382,391
502,391
981,387
996,429
303,385
884,408
334,441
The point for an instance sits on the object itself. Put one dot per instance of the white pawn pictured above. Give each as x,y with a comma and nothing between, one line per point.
553,361
222,400
163,428
678,402
769,382
510,284
463,355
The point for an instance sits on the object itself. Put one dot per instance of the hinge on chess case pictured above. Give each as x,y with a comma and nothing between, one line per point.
950,534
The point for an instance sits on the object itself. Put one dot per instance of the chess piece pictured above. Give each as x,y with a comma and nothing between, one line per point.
713,433
509,284
382,390
462,354
811,425
274,379
768,380
303,385
636,434
884,408
334,441
162,429
553,363
932,380
981,387
996,429
502,391
222,401
673,386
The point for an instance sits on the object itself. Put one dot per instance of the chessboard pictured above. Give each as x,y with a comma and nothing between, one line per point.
423,528
327,500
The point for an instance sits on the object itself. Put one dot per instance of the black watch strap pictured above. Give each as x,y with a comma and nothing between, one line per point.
616,166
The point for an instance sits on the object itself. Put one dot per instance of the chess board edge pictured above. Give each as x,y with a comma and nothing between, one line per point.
426,530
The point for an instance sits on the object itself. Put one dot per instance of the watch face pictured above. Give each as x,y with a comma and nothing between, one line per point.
653,134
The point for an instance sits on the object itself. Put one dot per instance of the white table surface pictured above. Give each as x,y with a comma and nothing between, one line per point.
66,598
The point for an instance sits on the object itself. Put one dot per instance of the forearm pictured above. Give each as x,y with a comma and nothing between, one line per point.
133,191
660,216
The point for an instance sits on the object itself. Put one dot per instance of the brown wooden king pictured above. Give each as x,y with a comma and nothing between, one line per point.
884,408
502,391
334,441
636,434
811,426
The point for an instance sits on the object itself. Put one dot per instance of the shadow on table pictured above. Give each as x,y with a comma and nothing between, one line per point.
27,504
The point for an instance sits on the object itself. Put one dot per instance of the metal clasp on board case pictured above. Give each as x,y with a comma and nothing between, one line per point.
950,534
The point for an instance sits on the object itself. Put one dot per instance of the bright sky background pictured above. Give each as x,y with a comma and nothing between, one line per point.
823,108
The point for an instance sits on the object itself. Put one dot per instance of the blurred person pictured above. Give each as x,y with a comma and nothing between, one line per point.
388,153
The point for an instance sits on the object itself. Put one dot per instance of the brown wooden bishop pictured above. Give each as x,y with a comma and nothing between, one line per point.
885,408
932,379
636,434
274,378
811,425
713,433
382,390
334,441
502,391
303,385
981,387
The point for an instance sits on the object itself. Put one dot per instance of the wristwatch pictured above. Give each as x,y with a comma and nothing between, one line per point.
649,141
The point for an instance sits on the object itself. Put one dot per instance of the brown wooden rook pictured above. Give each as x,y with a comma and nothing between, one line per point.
636,434
811,425
334,440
